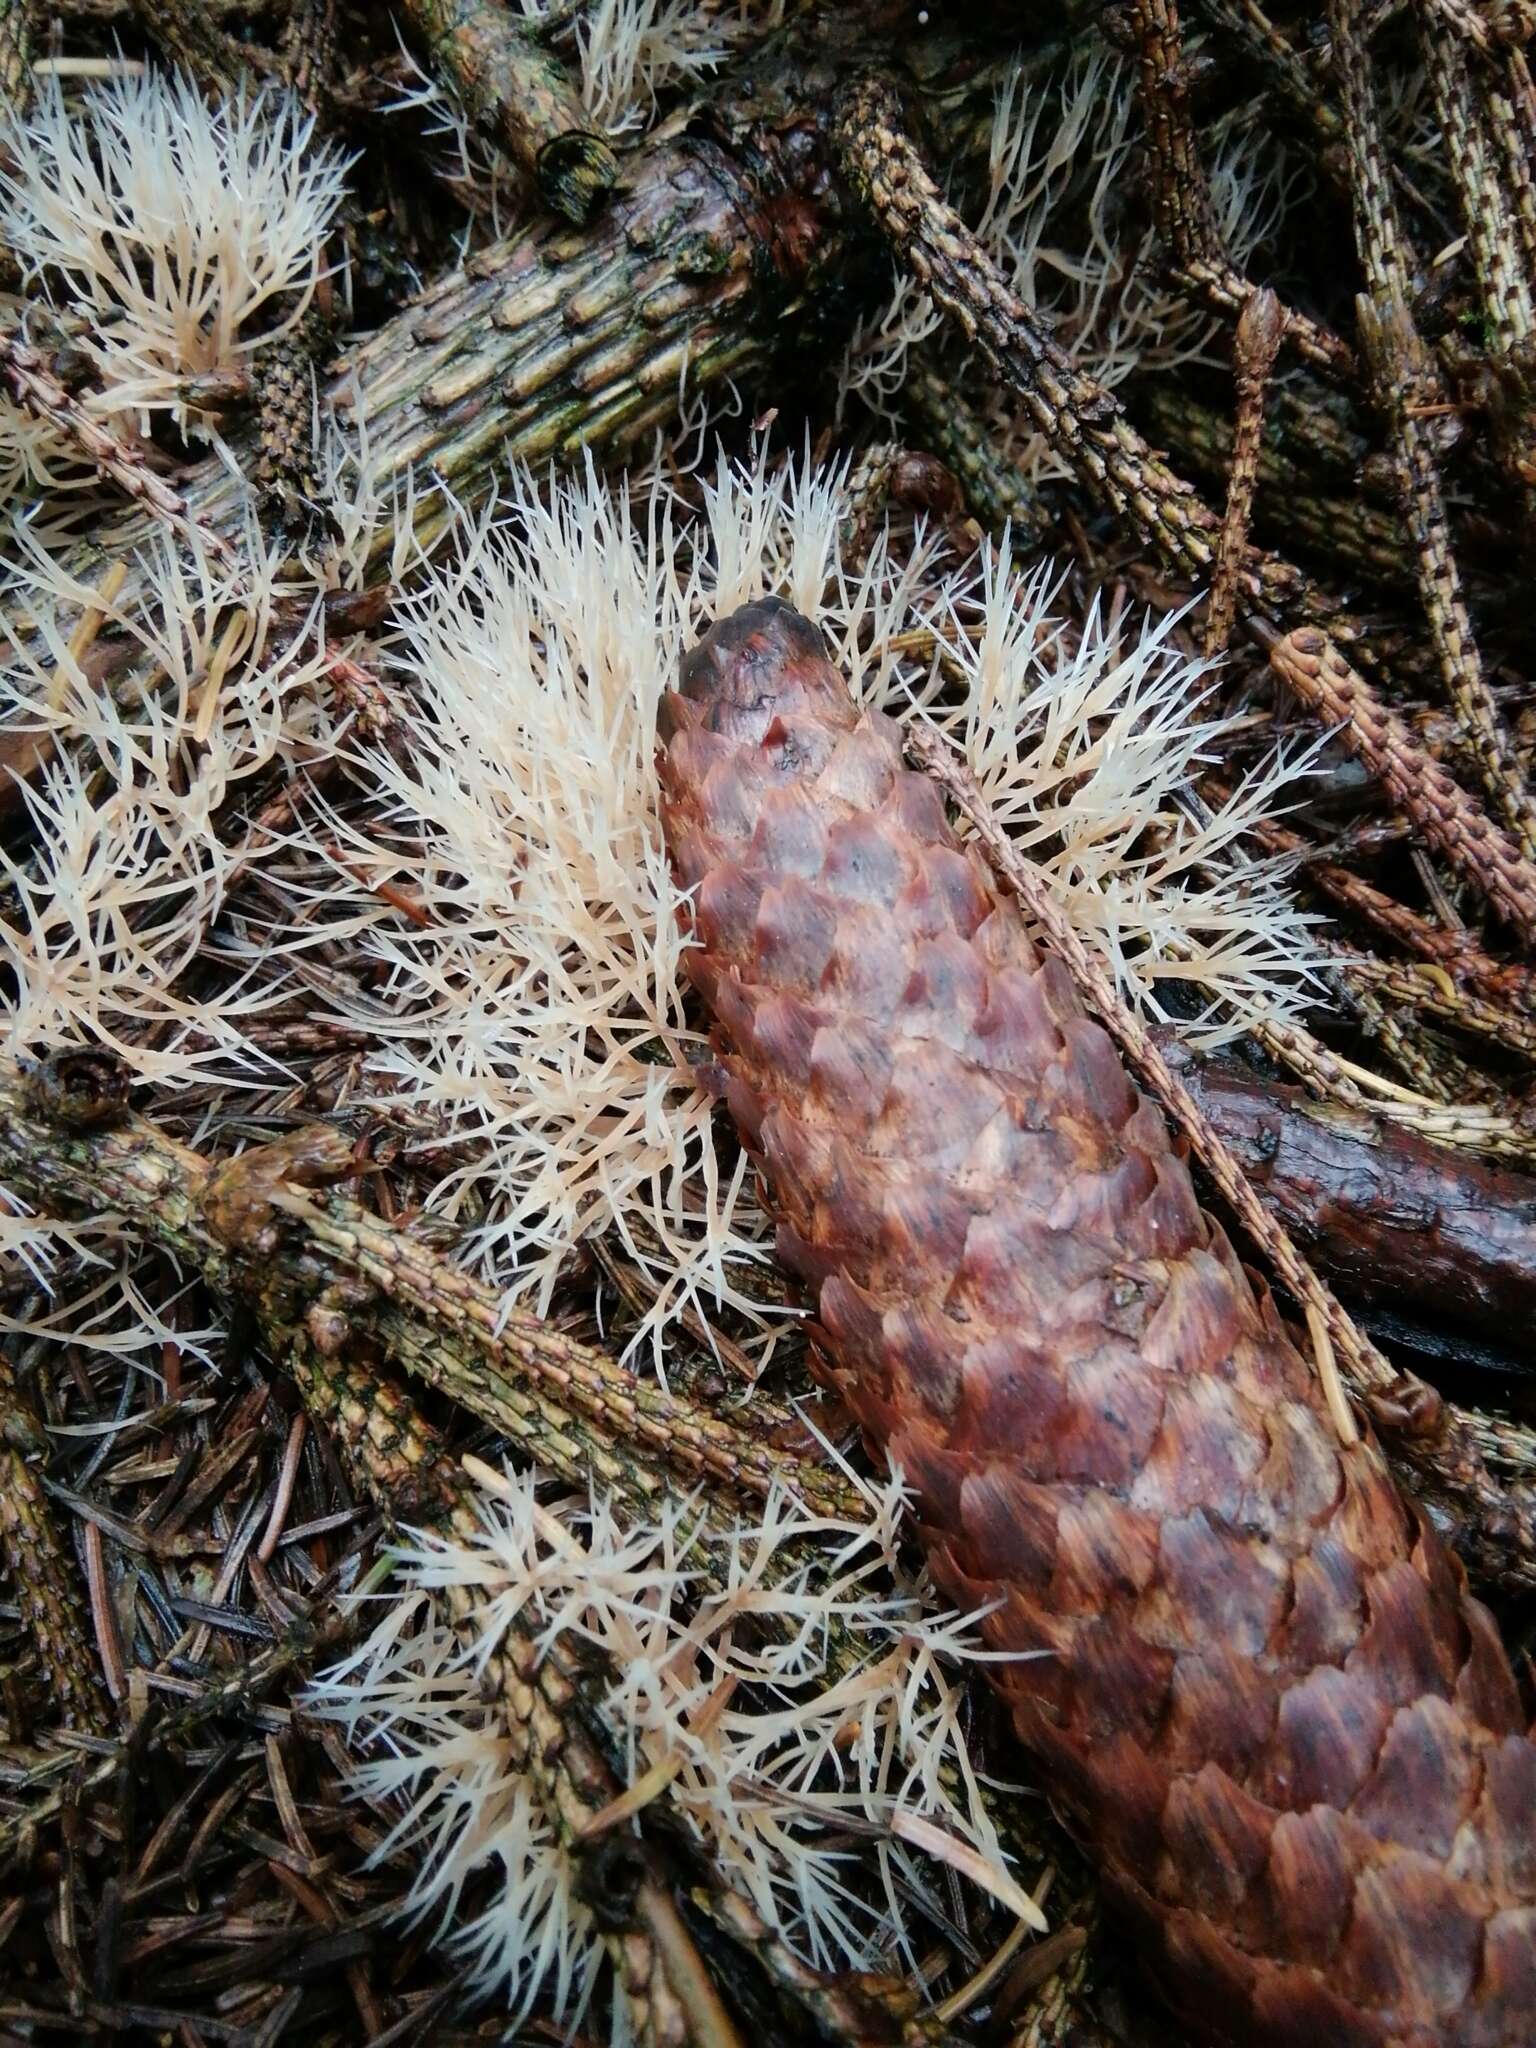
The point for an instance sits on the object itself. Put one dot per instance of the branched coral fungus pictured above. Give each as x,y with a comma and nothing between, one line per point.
1088,740
769,1745
188,234
127,875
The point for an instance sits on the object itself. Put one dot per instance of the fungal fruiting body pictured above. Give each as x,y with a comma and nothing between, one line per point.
1267,1701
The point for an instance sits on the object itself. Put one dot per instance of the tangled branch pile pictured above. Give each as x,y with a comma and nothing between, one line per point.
440,1599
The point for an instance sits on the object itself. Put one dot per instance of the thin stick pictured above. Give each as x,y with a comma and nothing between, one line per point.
283,1498
1260,328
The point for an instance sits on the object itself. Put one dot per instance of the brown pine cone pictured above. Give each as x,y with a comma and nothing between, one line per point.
1257,1684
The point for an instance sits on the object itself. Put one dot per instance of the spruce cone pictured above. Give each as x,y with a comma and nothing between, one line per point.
1259,1687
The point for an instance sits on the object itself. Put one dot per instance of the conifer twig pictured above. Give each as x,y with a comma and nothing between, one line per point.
1184,213
1260,327
1314,669
1408,389
40,1572
38,392
283,380
1511,104
309,52
253,1228
1485,209
1430,990
401,1461
551,344
17,33
1271,49
1492,175
1082,420
64,1781
948,421
1455,952
1357,536
1470,1125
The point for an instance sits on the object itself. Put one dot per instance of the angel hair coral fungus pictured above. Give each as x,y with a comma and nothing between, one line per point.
128,870
784,1686
187,233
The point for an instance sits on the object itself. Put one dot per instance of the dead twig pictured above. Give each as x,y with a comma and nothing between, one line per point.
1409,392
38,391
1083,421
1310,665
1260,327
1185,216
40,1571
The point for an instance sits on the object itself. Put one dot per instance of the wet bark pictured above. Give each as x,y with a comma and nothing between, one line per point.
1389,1217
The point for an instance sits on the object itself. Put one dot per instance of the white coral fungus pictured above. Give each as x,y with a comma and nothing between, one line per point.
187,233
128,865
779,1704
1088,739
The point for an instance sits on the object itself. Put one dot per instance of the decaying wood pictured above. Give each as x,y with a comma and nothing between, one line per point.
1116,1447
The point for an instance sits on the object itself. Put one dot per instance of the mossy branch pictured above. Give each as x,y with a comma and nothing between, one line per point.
519,93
